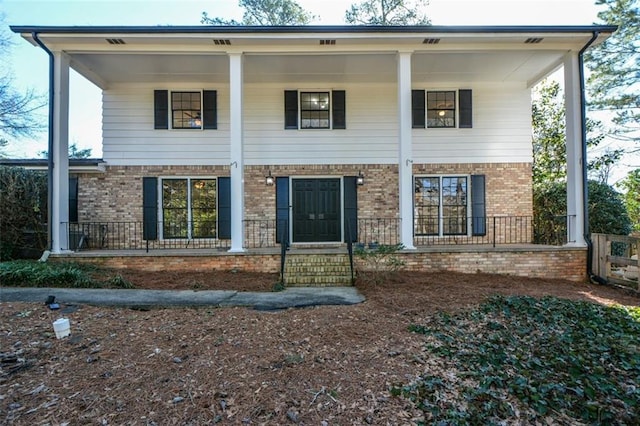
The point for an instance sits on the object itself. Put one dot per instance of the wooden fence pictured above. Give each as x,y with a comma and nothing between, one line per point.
615,258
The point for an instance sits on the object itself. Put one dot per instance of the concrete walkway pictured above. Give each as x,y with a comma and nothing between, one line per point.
296,297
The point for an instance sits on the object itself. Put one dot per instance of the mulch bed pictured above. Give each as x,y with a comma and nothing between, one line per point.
320,366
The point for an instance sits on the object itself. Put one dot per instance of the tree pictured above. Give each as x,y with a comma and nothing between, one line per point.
388,12
74,152
606,210
18,117
631,196
549,151
614,83
549,139
266,12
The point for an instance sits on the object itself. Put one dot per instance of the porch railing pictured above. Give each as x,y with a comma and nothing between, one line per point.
496,230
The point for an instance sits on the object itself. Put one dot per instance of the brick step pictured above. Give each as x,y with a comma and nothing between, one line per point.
317,259
317,281
317,270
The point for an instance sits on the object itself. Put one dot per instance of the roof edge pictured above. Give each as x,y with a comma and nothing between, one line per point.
204,29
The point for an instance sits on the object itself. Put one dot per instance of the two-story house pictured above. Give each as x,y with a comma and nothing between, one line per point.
233,139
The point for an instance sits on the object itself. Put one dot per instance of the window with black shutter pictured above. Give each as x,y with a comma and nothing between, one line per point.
441,109
315,110
185,109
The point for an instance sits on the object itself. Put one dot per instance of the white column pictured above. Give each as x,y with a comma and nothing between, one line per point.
405,151
575,162
60,154
237,160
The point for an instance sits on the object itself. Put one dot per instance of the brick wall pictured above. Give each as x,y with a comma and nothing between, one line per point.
570,264
563,263
116,195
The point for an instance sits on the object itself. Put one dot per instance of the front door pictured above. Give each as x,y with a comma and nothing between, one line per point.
316,210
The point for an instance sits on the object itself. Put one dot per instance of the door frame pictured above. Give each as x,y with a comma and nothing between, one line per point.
340,197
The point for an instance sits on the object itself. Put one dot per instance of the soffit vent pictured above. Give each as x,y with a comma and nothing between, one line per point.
222,42
533,40
431,41
327,42
115,41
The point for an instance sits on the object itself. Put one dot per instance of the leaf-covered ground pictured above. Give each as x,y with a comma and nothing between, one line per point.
325,365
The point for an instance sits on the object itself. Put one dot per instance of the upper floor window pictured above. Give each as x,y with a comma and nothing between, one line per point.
314,109
185,109
441,109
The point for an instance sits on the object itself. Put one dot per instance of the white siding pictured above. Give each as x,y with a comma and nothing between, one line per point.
369,137
501,129
130,139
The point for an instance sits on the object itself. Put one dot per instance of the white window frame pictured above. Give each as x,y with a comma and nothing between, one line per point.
441,205
189,213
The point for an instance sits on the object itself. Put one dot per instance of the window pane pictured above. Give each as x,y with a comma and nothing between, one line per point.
441,109
186,110
427,202
203,208
314,110
174,208
454,205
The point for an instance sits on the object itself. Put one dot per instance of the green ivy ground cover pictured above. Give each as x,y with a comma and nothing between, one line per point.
521,360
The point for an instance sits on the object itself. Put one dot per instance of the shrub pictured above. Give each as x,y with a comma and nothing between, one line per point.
378,262
23,196
607,212
26,273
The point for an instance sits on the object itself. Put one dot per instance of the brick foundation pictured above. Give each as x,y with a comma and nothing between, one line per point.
544,262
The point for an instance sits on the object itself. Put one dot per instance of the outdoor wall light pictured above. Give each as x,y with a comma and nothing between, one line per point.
269,180
360,178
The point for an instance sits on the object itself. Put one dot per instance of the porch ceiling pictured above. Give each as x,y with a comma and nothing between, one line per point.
105,69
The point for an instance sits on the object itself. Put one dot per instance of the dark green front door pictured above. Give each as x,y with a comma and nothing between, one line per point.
316,210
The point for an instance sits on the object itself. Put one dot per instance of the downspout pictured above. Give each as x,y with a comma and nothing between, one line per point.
585,182
50,164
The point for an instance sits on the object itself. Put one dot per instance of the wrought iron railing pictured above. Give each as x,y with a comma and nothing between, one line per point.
495,230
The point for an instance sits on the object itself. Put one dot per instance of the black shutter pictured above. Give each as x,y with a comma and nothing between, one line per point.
150,208
350,208
339,109
161,109
418,109
478,205
224,208
290,109
466,115
282,208
73,199
209,109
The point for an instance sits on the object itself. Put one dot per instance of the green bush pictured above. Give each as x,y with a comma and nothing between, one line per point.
26,273
378,262
607,212
23,200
